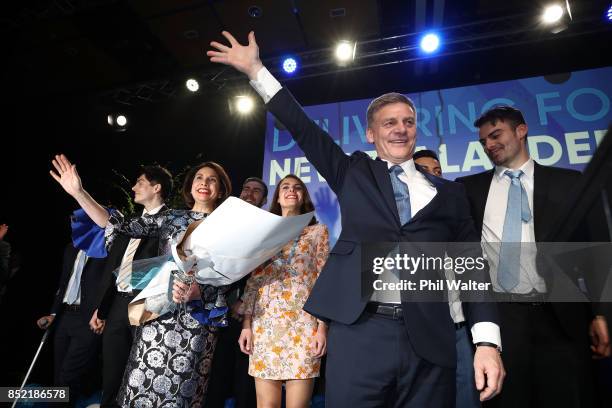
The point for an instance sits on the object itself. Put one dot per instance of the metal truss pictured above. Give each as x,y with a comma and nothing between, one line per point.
511,30
147,92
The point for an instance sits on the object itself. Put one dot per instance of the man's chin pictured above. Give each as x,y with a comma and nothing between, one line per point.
497,162
400,158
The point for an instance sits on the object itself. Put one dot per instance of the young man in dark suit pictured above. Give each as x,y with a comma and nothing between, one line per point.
153,186
76,347
389,353
546,345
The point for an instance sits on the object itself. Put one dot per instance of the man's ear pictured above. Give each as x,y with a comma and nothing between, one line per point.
522,130
369,135
157,188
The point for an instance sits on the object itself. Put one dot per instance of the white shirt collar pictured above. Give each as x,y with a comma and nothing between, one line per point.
527,168
408,166
153,211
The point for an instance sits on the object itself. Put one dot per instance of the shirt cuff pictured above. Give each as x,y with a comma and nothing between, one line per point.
486,331
266,85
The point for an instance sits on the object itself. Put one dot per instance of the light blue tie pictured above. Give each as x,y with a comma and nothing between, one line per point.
401,193
517,212
74,289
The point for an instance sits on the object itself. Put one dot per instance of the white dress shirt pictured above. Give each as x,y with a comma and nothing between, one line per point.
421,193
454,298
128,256
493,228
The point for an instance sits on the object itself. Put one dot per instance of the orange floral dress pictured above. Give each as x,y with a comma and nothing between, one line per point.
283,333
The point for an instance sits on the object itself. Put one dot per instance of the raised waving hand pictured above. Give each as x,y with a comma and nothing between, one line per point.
67,176
244,58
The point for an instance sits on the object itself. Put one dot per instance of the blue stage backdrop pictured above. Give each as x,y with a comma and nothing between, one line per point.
567,115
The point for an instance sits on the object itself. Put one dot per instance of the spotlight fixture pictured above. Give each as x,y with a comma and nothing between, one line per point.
430,42
118,122
345,51
192,85
244,104
255,11
290,65
609,14
556,17
552,14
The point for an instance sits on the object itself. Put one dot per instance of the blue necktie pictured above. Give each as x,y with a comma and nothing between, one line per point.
75,287
401,193
517,212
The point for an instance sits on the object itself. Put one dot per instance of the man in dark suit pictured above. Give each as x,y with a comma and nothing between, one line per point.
152,188
546,347
76,347
388,353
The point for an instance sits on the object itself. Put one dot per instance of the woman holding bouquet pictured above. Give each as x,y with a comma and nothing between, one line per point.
284,342
171,355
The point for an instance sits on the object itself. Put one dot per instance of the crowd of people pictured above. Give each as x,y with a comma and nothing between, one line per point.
306,302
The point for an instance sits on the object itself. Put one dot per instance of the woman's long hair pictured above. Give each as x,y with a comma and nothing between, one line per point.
225,185
307,205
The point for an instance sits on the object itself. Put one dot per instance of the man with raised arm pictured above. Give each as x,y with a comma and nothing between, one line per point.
382,351
152,188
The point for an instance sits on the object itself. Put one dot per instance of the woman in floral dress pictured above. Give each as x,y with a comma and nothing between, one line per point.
171,356
284,342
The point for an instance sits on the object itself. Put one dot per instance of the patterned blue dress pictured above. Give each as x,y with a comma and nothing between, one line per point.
171,356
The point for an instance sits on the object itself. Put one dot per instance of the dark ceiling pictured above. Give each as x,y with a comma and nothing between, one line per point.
142,50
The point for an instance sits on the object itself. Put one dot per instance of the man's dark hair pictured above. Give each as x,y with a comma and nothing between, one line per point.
425,153
505,113
260,181
159,175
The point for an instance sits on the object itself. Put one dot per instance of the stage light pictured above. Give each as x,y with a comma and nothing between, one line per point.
192,85
345,51
609,14
244,104
289,65
117,121
430,42
552,14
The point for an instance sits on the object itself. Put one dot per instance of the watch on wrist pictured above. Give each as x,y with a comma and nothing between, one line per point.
487,344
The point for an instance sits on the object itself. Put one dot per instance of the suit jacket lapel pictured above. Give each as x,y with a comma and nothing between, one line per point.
540,192
480,196
381,174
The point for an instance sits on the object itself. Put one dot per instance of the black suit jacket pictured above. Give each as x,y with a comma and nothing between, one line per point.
552,187
369,214
91,283
147,248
